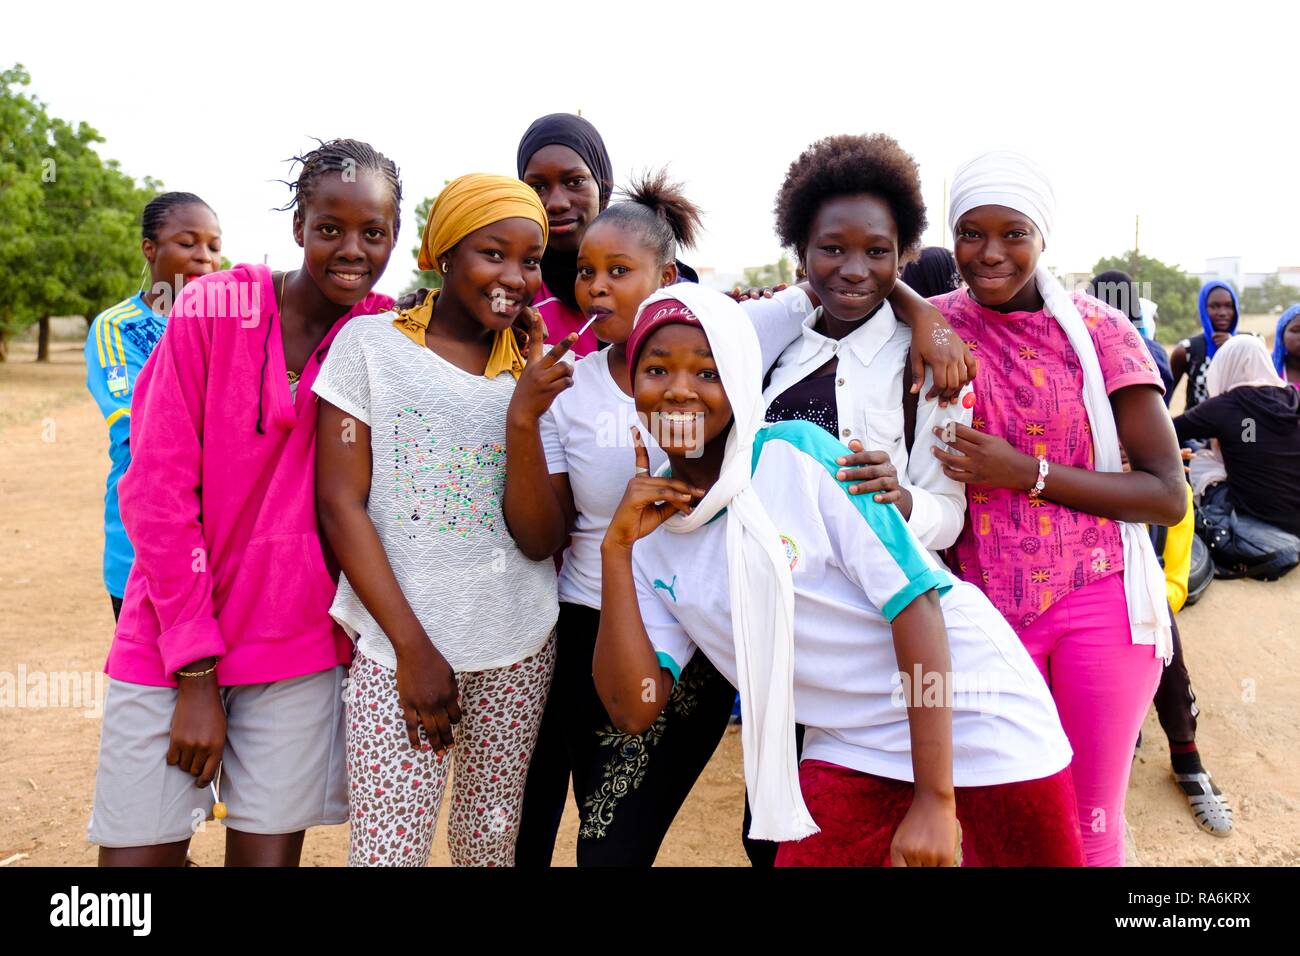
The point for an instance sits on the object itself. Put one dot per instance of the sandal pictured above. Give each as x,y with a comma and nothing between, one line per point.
1209,806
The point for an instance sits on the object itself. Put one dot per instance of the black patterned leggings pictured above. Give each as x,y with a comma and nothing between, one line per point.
629,787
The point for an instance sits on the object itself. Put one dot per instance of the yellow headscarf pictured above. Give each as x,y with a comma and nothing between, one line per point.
466,204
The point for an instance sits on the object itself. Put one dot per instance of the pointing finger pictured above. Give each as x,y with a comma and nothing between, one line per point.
642,456
536,334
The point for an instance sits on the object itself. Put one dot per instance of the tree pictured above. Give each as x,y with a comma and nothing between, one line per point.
773,274
1168,286
1272,295
431,279
68,219
22,124
90,236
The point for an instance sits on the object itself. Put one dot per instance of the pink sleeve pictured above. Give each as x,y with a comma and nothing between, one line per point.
1123,355
159,494
375,303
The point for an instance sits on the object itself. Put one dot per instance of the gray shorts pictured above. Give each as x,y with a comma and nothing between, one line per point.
282,770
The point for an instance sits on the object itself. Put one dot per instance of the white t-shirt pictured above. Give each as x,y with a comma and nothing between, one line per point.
855,566
437,445
585,435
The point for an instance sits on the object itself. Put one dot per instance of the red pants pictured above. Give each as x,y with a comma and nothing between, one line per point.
1030,823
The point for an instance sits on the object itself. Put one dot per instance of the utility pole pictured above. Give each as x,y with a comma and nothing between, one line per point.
1133,260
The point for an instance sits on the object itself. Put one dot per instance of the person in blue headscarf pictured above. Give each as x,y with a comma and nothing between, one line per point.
1286,346
1219,317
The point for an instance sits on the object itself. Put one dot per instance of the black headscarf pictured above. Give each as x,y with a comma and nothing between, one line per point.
560,269
933,273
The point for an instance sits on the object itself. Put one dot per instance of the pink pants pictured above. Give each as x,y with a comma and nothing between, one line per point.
1103,684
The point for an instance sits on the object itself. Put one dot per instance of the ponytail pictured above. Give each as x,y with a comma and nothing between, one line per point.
659,210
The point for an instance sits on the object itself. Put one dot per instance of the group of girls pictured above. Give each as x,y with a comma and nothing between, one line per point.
440,455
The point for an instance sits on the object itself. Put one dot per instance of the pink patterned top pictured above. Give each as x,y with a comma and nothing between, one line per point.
1027,555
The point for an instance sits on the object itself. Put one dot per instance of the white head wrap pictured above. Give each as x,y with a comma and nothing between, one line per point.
1008,179
1003,178
1241,361
761,590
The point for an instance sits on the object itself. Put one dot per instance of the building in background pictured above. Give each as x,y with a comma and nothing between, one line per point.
1228,269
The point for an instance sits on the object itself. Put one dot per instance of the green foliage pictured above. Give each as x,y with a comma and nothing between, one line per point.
431,279
69,233
1168,286
1273,295
772,274
21,201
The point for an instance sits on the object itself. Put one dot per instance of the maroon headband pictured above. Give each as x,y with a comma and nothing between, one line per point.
661,313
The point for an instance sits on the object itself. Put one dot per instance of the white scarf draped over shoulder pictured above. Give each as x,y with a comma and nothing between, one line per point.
1009,179
758,574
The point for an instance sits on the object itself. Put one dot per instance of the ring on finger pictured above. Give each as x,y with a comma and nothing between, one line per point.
643,471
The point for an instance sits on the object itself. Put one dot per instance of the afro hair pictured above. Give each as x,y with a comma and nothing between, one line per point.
850,166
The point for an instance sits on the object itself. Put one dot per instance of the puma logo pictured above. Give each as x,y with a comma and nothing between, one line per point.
670,588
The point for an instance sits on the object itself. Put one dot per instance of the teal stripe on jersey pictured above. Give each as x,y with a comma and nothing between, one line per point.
885,520
670,665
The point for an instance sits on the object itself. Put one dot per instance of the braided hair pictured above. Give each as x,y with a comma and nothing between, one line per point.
160,207
341,156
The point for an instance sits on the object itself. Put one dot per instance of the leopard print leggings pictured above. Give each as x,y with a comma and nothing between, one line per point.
395,792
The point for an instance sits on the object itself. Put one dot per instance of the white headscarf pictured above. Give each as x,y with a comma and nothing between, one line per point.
1241,361
1009,179
758,573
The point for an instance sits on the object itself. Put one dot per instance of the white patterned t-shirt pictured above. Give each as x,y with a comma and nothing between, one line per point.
438,467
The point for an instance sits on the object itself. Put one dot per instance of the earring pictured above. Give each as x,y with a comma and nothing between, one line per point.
446,267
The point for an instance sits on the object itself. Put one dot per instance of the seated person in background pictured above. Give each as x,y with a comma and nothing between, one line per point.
1192,356
1255,418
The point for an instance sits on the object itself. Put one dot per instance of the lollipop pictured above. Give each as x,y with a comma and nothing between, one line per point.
218,808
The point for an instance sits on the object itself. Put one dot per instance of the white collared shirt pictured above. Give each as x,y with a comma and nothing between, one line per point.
869,401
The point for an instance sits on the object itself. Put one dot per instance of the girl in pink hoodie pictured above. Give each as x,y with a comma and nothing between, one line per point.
225,655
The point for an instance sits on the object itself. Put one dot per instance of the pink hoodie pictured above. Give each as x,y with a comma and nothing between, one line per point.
228,557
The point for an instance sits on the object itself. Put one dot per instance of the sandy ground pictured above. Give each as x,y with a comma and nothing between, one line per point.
1243,650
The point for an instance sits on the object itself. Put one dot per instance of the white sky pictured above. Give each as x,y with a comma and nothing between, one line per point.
1184,113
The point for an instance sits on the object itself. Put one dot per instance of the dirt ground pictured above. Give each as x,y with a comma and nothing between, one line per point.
1242,645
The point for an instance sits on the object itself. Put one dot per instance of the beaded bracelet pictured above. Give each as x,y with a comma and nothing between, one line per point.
1039,485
